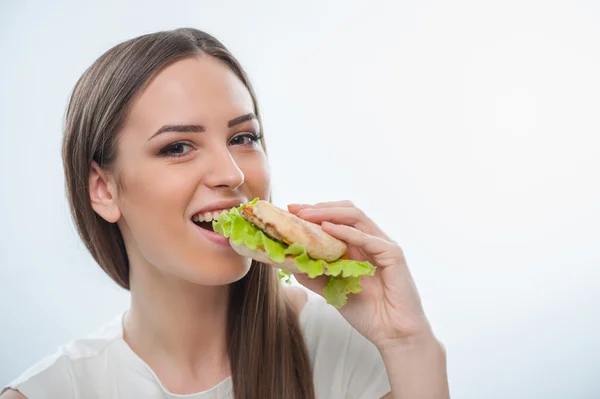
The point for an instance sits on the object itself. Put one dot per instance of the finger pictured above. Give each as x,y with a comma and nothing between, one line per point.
295,208
314,284
370,245
348,216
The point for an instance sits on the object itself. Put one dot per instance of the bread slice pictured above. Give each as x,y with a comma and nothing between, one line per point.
258,255
289,228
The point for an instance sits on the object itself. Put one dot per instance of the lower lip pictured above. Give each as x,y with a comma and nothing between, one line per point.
212,236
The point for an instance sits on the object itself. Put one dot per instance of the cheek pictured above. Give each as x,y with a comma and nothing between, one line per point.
164,190
154,202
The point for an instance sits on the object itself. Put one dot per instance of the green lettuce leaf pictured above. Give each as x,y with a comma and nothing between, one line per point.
285,276
337,289
344,275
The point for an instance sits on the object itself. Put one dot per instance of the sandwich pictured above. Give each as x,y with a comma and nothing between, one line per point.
273,236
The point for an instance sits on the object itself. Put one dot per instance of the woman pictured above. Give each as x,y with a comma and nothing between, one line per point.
162,127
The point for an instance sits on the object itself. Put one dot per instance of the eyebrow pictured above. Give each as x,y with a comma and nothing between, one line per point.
241,119
200,128
180,129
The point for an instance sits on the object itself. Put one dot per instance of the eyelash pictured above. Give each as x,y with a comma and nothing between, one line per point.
165,152
254,138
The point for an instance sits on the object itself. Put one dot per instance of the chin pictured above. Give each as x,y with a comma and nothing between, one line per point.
222,272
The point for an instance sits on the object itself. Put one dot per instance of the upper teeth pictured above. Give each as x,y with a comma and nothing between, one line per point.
207,216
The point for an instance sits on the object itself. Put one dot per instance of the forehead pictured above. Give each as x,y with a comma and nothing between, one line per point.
200,90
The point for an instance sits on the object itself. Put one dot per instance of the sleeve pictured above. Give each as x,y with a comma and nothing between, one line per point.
345,364
50,378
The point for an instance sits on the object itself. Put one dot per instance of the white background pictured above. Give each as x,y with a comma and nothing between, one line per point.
467,129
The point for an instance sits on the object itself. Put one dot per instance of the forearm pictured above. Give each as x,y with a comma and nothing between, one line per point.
417,369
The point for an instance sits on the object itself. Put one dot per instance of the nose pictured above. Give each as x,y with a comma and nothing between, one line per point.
224,171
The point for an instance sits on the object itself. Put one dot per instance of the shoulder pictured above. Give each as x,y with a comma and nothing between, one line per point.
345,364
56,374
319,321
50,377
297,298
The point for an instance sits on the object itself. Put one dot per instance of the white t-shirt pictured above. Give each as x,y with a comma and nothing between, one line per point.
344,364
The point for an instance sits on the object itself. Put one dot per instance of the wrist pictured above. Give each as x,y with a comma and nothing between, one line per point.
425,340
417,368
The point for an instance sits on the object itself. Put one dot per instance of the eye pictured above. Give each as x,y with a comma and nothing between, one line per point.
176,149
246,139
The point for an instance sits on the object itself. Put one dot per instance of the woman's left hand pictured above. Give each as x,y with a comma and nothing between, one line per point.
388,311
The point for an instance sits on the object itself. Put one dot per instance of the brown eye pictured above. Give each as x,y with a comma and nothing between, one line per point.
245,139
176,149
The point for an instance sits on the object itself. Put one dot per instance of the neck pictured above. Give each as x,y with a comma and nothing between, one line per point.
179,329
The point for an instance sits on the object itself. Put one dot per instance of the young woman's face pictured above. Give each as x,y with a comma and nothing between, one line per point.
190,146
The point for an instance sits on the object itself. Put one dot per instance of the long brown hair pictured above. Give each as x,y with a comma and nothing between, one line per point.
267,352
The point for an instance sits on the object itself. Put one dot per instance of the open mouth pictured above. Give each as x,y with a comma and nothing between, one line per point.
205,220
205,225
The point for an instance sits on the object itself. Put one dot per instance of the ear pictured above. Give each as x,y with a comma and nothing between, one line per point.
103,193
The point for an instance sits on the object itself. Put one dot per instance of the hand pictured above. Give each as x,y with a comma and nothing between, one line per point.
388,311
